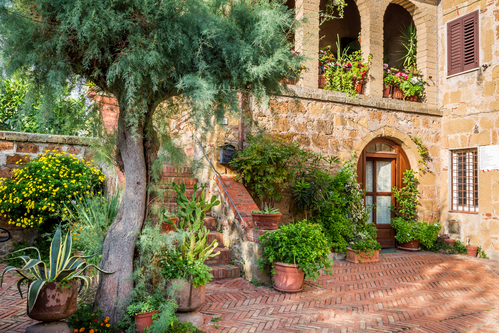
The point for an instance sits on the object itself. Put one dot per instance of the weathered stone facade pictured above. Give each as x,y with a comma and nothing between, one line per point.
470,105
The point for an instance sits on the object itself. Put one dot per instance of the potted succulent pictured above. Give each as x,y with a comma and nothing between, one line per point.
295,251
144,312
59,280
184,265
266,219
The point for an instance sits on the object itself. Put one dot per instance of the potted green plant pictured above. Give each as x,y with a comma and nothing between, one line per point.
184,264
62,279
295,251
267,218
472,250
363,246
144,312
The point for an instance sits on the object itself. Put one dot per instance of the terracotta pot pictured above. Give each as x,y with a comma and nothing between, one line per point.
167,227
359,87
410,246
288,278
362,257
387,90
412,98
266,221
55,302
472,250
322,81
290,80
450,241
189,298
397,93
143,320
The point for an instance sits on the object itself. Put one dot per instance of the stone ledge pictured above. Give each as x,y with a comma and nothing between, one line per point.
45,138
361,100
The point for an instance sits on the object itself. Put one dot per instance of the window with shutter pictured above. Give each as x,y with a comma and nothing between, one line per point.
462,44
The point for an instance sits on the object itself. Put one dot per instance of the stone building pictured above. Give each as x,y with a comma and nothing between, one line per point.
457,121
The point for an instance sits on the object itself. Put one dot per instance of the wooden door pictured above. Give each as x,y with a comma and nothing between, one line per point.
380,168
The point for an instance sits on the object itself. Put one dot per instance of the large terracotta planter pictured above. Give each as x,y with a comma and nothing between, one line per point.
410,246
188,298
55,301
397,93
450,241
143,320
322,81
266,221
362,257
472,250
387,90
288,278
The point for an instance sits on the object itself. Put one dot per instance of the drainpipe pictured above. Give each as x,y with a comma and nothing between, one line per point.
241,125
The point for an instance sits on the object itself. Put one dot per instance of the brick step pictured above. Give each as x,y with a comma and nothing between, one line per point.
168,182
210,223
171,170
226,271
171,195
222,258
216,236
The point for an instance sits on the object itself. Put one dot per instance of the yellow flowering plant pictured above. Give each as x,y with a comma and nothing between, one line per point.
43,188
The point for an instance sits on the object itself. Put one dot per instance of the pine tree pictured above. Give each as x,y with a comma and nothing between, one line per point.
145,52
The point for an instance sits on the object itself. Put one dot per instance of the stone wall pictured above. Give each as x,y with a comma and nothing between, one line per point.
16,147
470,105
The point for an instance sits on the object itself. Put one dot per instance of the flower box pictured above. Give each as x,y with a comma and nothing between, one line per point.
397,93
362,257
322,81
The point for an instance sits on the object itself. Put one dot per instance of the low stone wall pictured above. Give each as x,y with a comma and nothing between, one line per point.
14,147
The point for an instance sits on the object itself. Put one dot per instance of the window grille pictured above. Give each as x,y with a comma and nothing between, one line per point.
464,180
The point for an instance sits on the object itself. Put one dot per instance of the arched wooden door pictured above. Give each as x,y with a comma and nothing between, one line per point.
380,168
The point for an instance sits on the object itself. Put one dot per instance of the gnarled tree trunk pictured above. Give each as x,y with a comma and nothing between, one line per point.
119,243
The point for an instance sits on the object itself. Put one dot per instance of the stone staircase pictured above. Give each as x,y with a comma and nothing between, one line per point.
221,264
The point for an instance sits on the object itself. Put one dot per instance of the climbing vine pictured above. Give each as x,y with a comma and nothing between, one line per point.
423,153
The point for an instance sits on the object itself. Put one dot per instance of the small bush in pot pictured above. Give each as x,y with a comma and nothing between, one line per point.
302,247
57,280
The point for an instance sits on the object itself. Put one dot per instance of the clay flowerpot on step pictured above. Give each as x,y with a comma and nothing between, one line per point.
188,298
288,278
266,221
450,241
472,250
55,301
410,246
143,320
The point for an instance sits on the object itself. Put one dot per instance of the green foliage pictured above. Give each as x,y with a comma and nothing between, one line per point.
440,246
423,152
298,243
348,71
20,110
267,210
88,318
407,198
38,192
148,304
407,231
409,39
411,83
265,166
482,254
62,267
366,245
184,327
90,216
185,260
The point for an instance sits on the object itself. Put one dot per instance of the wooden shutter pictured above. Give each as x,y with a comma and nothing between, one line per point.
462,44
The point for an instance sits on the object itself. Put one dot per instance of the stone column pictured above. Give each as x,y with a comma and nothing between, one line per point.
307,40
372,43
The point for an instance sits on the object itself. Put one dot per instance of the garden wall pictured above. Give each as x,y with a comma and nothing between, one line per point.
16,147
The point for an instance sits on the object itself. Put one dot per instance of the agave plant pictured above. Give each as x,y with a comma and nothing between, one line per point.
63,267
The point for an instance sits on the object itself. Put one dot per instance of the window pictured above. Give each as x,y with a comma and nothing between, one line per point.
464,180
462,44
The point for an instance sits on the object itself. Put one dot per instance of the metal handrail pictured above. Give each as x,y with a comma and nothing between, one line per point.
219,179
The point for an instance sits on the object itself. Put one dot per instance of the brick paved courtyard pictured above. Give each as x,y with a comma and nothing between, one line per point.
409,292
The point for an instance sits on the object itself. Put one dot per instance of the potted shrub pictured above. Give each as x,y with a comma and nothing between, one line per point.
266,219
144,312
183,265
295,251
363,251
363,246
410,232
58,280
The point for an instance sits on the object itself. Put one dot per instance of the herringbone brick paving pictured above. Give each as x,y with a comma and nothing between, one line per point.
409,292
404,292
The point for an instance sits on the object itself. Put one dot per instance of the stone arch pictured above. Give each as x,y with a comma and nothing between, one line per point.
409,147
